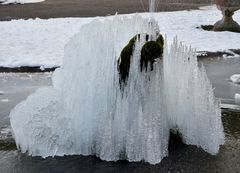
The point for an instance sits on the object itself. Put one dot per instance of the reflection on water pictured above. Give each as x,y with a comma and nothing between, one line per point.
231,121
181,159
219,71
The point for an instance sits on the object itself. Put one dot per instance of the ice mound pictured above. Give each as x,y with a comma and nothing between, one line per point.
235,78
85,112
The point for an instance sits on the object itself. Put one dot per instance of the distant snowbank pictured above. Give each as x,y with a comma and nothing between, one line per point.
41,42
19,1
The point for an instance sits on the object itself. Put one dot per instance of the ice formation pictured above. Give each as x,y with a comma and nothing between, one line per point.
85,112
235,78
237,98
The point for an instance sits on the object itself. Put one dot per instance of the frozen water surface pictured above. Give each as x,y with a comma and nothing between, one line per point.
86,113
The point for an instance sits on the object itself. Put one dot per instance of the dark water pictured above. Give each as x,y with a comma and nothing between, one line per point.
17,87
182,159
219,71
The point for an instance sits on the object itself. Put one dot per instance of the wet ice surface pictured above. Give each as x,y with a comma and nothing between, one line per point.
15,88
219,71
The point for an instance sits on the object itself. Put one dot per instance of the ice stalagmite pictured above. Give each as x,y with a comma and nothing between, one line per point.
85,111
192,107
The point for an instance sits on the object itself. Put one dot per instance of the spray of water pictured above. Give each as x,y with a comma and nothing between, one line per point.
151,18
152,6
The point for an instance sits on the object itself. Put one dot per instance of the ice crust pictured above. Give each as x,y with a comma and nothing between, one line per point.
235,78
85,112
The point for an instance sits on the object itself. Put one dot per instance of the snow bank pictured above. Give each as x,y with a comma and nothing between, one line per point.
41,42
19,1
36,42
235,78
86,113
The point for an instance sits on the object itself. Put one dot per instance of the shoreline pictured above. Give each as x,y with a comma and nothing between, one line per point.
38,69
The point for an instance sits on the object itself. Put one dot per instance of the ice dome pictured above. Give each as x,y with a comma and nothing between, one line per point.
85,112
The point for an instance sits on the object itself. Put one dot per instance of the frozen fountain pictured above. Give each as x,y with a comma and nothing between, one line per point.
85,112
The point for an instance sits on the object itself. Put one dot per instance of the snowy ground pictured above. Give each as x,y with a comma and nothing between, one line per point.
41,42
19,1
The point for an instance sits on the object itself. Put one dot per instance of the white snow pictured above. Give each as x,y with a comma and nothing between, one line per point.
237,98
42,68
36,42
235,78
86,113
232,54
41,42
19,1
1,92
